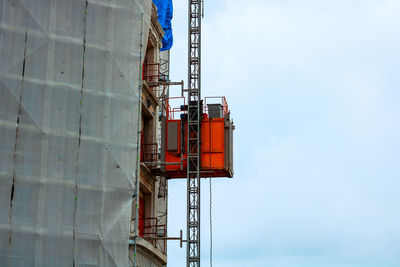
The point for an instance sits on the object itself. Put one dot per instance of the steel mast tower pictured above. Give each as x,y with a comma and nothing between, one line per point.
193,140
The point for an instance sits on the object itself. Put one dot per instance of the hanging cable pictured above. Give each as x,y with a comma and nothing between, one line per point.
202,9
210,224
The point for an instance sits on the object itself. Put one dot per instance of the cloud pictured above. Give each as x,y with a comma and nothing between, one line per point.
313,89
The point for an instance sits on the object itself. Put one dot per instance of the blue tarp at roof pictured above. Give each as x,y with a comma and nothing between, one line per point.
164,10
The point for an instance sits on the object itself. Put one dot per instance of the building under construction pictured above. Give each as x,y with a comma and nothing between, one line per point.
92,132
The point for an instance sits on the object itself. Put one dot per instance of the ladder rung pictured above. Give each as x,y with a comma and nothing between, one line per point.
194,30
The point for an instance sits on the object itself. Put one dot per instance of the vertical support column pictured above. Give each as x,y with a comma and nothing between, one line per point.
193,140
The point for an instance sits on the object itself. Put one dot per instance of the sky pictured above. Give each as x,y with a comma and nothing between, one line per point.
313,89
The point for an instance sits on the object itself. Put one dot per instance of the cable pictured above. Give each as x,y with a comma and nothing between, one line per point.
210,224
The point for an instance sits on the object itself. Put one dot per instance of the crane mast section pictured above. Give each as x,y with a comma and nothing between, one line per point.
193,140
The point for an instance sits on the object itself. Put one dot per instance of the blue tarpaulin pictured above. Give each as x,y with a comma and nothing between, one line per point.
164,10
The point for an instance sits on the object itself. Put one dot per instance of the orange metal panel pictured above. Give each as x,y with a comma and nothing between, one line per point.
212,147
212,151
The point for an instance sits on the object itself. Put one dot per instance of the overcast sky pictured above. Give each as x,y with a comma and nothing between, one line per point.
314,90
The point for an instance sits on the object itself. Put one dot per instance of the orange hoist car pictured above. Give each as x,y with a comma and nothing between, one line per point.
216,131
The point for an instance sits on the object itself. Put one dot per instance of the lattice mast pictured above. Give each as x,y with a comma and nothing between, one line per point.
193,140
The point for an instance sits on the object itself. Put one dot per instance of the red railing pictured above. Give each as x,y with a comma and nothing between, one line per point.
152,75
149,153
154,232
216,100
151,72
174,113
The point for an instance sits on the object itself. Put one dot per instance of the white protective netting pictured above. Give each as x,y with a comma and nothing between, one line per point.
69,92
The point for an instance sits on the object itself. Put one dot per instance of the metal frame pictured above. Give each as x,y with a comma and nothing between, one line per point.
149,154
216,100
193,140
156,76
151,72
155,232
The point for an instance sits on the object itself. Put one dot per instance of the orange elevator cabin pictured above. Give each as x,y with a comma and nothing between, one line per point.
216,133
